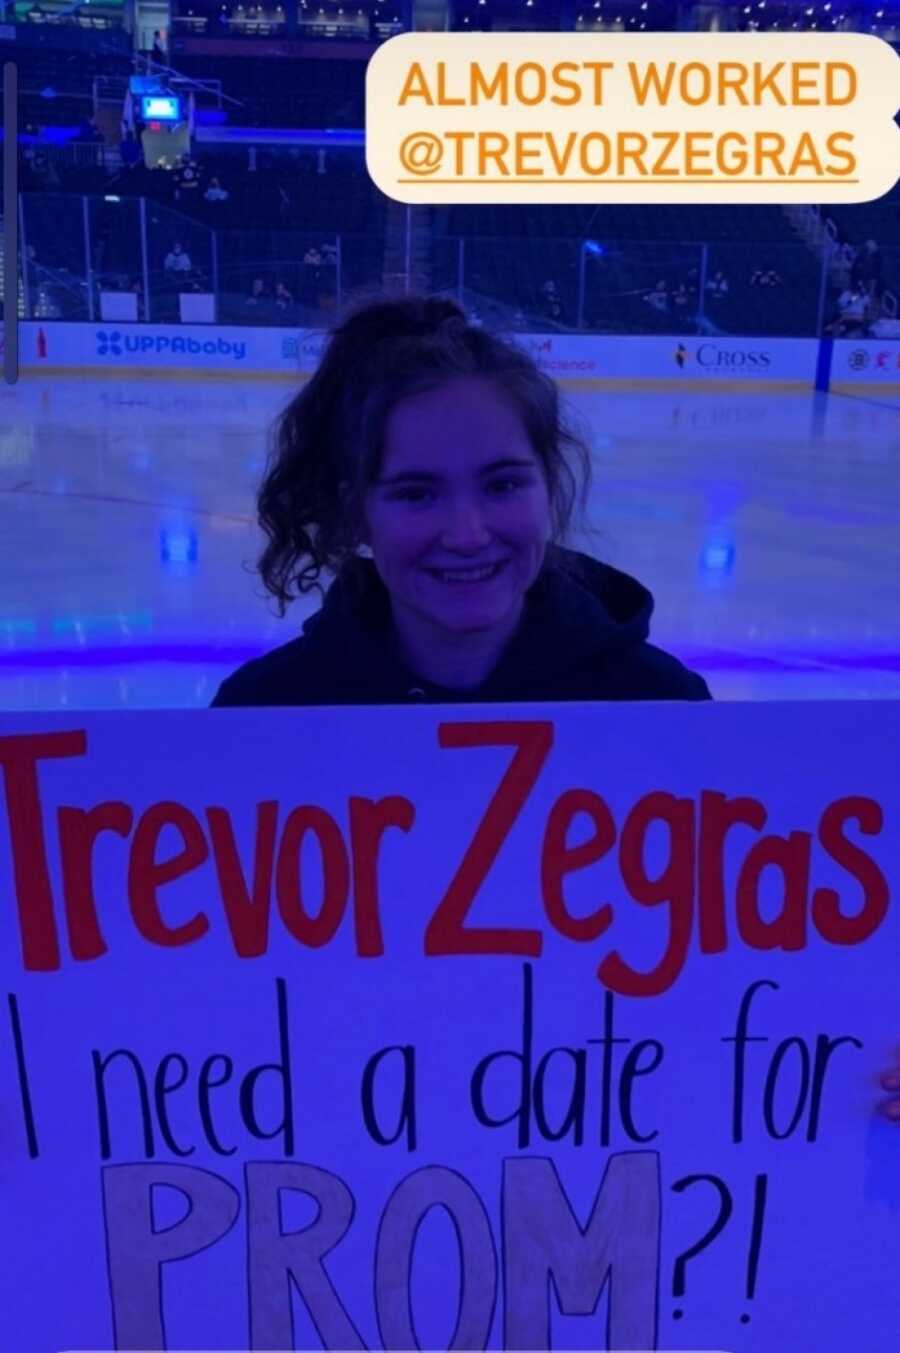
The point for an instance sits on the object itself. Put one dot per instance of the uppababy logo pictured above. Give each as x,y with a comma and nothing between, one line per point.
109,345
858,359
117,344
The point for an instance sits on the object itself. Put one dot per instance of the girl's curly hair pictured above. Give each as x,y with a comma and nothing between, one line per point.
328,441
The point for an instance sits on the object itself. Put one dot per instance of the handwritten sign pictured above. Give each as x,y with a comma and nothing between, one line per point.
542,1026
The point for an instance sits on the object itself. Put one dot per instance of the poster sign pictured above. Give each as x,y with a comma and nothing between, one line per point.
531,1027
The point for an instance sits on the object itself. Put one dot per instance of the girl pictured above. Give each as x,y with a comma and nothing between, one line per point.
426,465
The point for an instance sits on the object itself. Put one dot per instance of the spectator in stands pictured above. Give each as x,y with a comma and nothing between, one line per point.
843,256
766,277
658,298
131,150
852,318
552,307
717,286
177,260
41,175
311,277
157,54
284,301
215,193
867,272
681,304
89,131
329,255
187,181
476,598
259,295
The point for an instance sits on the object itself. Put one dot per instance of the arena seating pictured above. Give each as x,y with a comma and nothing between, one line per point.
276,92
602,261
633,248
56,77
879,221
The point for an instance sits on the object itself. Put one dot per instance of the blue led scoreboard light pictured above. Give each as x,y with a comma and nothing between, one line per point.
161,108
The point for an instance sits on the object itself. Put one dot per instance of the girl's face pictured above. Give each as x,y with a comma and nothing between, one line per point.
459,519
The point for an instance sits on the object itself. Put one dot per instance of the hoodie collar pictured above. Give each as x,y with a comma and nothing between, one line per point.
577,609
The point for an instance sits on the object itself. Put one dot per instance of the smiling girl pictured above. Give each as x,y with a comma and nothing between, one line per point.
428,468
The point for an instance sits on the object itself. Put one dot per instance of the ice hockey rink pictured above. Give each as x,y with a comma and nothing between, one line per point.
767,526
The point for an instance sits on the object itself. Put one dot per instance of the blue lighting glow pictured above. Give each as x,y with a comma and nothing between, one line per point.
178,546
717,557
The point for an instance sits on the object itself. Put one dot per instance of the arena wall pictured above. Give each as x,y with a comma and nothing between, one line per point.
198,351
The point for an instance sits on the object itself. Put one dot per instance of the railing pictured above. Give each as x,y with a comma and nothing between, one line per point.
639,286
188,84
202,89
76,18
87,246
351,28
110,89
73,156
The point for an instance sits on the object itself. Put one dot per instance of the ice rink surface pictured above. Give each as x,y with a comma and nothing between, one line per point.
766,525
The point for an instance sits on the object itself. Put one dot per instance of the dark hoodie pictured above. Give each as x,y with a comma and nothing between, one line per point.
583,637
